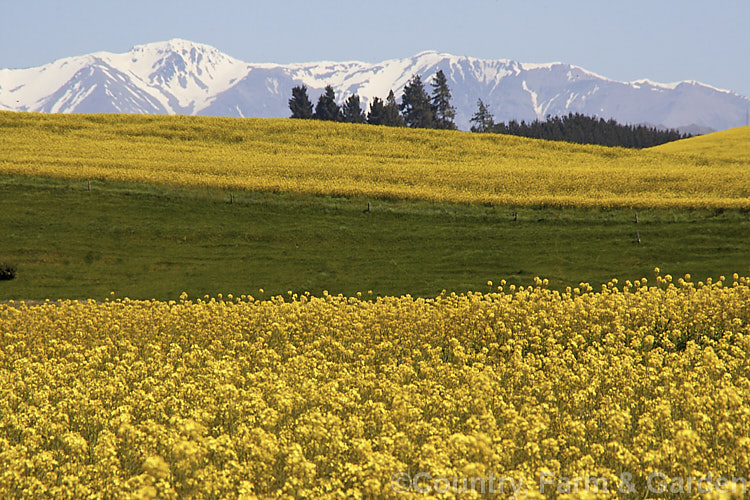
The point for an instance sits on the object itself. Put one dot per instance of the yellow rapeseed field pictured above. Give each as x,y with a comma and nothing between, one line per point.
728,145
638,387
314,157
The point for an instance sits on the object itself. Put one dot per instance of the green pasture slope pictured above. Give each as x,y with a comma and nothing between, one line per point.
154,242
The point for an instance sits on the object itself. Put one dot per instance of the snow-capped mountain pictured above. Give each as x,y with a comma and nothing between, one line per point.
183,77
169,77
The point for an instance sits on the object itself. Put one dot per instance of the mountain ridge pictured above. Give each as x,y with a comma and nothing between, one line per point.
183,77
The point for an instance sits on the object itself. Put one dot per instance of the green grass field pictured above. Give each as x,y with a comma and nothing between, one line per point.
156,242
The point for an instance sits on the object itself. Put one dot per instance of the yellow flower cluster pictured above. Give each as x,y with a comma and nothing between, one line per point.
313,157
332,396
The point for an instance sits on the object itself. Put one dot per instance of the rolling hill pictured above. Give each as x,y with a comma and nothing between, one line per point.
151,206
312,157
727,145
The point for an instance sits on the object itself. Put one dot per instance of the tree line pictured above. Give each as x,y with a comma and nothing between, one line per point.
417,109
577,128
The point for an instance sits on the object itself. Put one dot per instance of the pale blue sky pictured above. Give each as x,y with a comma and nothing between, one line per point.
663,40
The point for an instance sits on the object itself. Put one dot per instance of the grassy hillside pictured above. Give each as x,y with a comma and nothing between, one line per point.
310,157
154,242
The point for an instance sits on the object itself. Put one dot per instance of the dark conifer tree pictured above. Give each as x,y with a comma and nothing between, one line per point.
590,130
352,112
327,109
300,104
482,119
444,112
376,115
416,106
391,115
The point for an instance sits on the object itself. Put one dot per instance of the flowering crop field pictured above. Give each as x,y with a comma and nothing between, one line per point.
312,157
362,397
639,387
730,145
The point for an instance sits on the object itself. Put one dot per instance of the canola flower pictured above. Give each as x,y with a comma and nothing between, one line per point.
329,397
727,145
313,157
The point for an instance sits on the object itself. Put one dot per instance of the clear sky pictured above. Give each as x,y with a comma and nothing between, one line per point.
662,40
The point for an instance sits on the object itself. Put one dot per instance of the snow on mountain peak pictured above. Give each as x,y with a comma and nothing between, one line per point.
650,83
190,73
177,46
174,44
180,76
533,66
426,53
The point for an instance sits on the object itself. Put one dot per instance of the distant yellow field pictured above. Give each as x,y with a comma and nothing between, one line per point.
342,159
729,145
